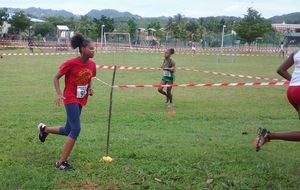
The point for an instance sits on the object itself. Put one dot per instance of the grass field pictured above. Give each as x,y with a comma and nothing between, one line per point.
206,145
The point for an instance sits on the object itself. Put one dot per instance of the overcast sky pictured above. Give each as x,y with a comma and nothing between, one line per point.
151,8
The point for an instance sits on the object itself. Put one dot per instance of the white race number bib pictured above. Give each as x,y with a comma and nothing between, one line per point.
82,91
166,73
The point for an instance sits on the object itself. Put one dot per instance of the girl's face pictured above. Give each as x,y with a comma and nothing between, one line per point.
89,50
167,54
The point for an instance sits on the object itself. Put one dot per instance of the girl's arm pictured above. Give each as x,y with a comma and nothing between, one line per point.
283,69
60,98
91,90
163,65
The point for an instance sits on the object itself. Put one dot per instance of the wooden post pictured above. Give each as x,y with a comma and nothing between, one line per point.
110,110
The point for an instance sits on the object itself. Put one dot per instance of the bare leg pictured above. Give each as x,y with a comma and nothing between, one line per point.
52,130
286,136
169,94
161,89
67,149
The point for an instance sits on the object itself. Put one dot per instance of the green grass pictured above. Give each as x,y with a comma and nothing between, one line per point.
204,140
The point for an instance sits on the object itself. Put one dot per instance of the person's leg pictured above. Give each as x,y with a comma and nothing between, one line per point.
161,89
265,136
53,130
285,136
70,142
61,130
169,93
45,131
292,95
73,114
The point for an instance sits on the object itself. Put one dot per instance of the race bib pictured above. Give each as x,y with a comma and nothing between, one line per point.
166,73
82,91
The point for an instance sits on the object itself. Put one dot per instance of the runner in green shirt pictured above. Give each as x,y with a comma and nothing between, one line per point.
168,68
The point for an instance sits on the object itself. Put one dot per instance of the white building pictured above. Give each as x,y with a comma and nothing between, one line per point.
4,28
286,27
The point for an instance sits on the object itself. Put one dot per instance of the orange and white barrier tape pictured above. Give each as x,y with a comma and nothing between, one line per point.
36,47
254,84
194,70
243,76
109,51
36,54
149,50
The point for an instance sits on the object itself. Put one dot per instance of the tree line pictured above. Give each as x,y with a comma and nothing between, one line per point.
248,28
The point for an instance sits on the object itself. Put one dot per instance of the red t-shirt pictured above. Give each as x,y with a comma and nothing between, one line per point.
78,76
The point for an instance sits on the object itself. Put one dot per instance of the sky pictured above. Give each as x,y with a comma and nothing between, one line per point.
154,8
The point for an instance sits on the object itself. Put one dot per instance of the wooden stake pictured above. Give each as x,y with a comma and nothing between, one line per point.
110,110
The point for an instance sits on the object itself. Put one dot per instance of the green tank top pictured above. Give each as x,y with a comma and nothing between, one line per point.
167,73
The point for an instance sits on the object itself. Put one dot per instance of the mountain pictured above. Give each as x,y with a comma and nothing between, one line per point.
293,18
111,13
41,13
123,16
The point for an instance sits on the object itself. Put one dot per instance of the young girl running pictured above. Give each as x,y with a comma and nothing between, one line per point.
168,68
293,94
78,73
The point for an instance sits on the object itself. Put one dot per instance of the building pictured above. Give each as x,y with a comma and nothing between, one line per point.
4,29
63,33
5,26
291,32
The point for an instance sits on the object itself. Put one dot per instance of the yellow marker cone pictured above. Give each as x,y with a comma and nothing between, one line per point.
107,159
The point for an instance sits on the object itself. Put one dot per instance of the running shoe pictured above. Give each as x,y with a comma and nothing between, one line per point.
42,135
171,105
263,137
63,166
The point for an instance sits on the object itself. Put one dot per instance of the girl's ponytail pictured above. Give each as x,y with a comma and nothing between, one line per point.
78,41
172,51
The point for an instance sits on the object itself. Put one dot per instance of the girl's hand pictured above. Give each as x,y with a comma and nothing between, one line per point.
91,91
59,100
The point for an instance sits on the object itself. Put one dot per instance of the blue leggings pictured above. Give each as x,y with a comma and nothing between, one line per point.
72,127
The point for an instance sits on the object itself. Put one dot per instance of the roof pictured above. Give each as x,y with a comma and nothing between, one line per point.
63,27
286,26
293,34
151,29
141,29
36,20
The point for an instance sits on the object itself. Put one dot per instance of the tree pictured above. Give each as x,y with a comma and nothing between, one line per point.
3,16
132,27
56,20
122,28
44,29
108,22
177,27
155,25
192,29
252,26
20,22
88,27
72,23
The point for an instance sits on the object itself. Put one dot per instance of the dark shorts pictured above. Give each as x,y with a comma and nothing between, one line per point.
72,127
169,80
